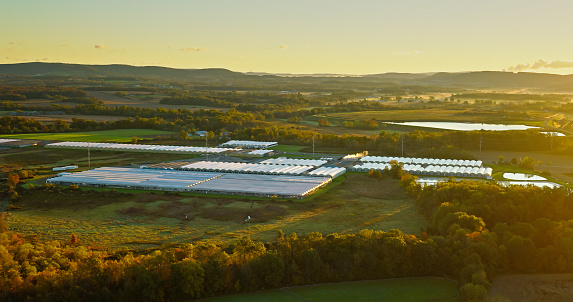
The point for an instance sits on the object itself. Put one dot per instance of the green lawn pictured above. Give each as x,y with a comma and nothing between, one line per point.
288,148
399,290
119,135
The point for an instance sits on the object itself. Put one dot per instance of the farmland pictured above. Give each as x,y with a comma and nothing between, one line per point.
119,135
442,115
148,219
413,290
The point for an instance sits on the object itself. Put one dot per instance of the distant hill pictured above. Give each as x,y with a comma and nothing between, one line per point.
499,79
61,69
477,79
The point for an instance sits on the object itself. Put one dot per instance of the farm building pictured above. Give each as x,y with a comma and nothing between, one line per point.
294,162
429,170
191,181
139,148
260,153
423,161
329,171
17,143
248,144
248,168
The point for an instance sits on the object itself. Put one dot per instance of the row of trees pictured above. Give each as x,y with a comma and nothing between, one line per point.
71,272
18,93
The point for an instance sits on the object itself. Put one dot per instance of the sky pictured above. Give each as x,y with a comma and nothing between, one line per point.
294,36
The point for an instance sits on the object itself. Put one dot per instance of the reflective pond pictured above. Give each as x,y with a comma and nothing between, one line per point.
521,176
466,126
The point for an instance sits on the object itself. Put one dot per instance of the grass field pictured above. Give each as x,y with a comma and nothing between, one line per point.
119,135
288,148
437,114
146,220
396,290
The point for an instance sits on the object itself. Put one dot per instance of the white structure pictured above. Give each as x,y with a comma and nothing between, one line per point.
429,170
4,141
260,153
248,144
247,168
331,172
294,162
422,161
139,148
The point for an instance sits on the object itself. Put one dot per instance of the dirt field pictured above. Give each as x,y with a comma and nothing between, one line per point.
69,117
561,166
532,288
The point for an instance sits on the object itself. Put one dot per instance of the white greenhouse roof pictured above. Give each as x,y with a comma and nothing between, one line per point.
422,161
294,161
249,144
437,170
215,166
137,148
3,140
327,171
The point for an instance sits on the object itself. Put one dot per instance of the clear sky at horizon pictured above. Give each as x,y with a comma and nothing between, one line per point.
349,37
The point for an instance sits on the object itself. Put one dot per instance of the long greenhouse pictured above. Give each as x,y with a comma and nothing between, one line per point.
248,168
423,161
294,161
248,144
138,148
430,170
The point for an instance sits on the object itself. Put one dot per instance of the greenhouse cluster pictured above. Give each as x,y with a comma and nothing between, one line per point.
430,170
138,148
423,161
197,182
249,168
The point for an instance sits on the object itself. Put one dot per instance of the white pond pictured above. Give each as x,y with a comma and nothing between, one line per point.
466,126
521,176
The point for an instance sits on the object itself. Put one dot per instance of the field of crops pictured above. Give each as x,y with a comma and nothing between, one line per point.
120,135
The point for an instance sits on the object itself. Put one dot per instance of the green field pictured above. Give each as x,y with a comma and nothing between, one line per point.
436,114
288,148
119,135
395,290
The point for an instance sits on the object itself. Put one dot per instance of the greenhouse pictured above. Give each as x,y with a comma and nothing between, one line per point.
138,148
248,168
294,161
248,144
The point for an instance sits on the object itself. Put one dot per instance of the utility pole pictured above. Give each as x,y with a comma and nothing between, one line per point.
480,142
313,145
89,159
206,153
402,145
